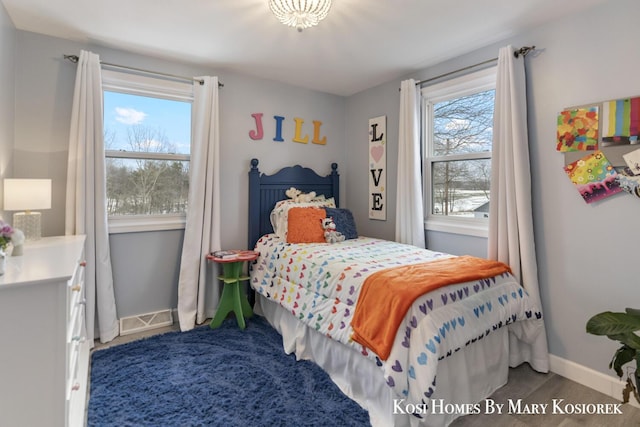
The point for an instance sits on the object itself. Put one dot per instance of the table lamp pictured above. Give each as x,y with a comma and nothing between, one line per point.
26,195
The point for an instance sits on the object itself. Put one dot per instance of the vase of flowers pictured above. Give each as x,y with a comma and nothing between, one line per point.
6,232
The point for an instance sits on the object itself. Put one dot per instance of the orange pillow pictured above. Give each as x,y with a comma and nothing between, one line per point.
305,225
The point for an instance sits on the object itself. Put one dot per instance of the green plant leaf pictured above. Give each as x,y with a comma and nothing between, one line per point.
629,339
621,357
610,323
636,375
633,341
632,311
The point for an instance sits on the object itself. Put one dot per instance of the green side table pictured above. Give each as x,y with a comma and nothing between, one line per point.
233,298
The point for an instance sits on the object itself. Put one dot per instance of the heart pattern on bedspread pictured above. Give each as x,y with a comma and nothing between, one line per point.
320,283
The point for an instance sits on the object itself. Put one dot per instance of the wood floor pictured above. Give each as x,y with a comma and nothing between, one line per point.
524,383
535,388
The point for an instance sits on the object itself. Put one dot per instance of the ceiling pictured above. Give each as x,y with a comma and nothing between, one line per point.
362,43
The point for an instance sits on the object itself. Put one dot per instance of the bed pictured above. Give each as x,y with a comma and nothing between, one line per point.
443,352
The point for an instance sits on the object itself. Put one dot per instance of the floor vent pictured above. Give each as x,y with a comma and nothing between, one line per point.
144,322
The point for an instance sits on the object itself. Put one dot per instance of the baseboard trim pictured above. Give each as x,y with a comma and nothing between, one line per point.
611,386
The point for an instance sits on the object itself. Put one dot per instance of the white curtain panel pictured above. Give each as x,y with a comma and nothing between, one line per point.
511,237
86,202
202,232
409,205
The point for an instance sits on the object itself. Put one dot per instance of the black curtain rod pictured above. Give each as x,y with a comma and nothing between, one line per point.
522,51
75,58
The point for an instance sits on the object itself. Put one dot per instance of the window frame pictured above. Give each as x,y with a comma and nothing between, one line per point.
152,87
474,82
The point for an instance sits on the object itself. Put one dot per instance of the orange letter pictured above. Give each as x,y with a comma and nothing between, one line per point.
316,134
297,137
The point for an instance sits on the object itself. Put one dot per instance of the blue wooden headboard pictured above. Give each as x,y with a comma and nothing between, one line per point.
266,190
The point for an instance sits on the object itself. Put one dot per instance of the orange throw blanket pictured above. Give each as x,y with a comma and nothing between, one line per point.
387,295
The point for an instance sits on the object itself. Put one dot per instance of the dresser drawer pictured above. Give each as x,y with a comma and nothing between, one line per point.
76,314
72,380
76,334
75,326
75,340
76,287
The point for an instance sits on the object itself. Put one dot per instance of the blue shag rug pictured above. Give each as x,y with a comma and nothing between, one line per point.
214,377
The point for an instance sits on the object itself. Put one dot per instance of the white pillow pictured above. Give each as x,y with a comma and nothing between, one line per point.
280,213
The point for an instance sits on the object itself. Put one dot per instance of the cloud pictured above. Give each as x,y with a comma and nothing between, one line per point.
457,124
129,116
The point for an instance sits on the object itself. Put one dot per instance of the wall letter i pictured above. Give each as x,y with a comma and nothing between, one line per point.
278,136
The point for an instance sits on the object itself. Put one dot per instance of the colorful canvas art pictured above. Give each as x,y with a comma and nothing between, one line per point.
578,130
632,160
628,181
621,121
594,176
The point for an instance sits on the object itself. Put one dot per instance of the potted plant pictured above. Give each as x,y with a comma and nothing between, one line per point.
621,327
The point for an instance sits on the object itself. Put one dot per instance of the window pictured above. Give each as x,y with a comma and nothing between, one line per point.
147,141
458,134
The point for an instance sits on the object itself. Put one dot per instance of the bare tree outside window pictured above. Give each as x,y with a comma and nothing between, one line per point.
461,155
147,172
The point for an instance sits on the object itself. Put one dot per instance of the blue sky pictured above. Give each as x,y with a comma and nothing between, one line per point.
168,117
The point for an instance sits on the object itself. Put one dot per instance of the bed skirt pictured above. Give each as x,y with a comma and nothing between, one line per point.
466,377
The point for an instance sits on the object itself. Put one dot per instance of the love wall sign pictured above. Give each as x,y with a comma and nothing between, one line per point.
378,168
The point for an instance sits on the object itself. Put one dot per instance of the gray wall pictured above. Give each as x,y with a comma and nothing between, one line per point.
146,264
586,253
7,97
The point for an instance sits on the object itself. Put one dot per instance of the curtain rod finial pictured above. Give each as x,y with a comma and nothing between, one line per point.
523,51
72,58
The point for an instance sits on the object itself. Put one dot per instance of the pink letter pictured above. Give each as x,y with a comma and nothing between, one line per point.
259,132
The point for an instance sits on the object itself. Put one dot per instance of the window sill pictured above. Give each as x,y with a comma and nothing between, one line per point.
466,226
136,224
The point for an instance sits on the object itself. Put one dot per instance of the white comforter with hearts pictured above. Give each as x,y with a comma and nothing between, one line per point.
319,283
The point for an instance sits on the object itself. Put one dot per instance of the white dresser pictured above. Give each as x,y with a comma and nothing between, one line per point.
44,356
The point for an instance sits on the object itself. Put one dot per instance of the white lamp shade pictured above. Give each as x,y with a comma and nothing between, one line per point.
27,194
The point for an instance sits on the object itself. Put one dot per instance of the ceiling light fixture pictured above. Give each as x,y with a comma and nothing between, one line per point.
300,13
